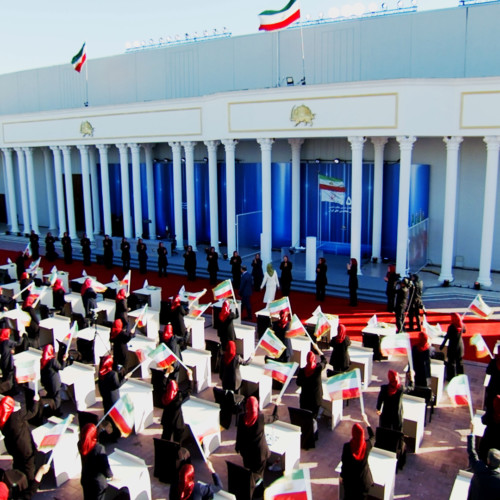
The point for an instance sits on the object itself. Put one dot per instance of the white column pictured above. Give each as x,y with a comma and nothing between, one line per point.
127,222
70,199
230,150
23,185
450,202
87,197
49,186
106,204
190,198
405,147
212,186
179,229
356,196
378,187
95,192
148,151
30,170
490,200
135,149
61,209
296,145
11,190
266,145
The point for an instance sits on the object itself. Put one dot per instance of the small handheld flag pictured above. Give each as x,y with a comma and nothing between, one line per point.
345,385
459,392
223,290
276,306
482,349
480,308
296,328
322,326
122,414
293,486
271,343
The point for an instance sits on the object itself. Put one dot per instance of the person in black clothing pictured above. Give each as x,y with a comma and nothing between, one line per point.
230,368
235,263
493,388
50,248
190,263
187,489
33,330
85,244
95,465
17,435
355,475
485,482
58,293
119,338
8,382
225,329
455,353
51,379
142,254
251,441
391,278
125,248
21,264
67,248
491,435
339,358
107,245
172,420
35,245
390,403
401,304
417,287
24,283
421,354
121,309
177,318
89,297
245,292
286,276
16,492
280,328
162,260
309,380
213,265
321,279
176,344
352,271
257,272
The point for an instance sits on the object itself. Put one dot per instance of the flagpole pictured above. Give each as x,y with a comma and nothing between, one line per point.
70,419
303,81
361,401
86,103
469,398
287,381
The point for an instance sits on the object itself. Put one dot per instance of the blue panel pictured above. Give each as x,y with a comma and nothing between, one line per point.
202,202
221,196
164,198
419,193
281,204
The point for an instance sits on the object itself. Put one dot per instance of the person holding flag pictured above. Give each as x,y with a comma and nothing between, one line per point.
177,314
24,283
119,337
230,368
421,354
51,380
390,403
95,465
225,328
33,329
187,489
8,383
58,293
340,359
309,380
455,353
121,309
89,297
280,328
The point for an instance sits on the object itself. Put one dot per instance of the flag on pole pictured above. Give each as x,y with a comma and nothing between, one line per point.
276,306
194,297
459,391
69,336
79,59
140,321
25,371
126,281
143,353
322,326
32,268
296,328
53,277
271,20
122,414
223,290
331,189
98,287
50,440
272,344
163,356
397,344
345,385
279,371
432,331
27,250
482,349
197,310
479,308
294,486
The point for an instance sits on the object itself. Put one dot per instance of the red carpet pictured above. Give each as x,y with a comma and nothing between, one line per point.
303,304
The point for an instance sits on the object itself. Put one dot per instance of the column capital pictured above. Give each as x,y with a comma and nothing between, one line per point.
19,150
65,149
83,148
296,142
188,145
356,142
211,145
176,146
406,142
492,142
28,149
265,143
55,149
7,150
379,142
453,142
123,148
102,147
148,146
229,144
134,147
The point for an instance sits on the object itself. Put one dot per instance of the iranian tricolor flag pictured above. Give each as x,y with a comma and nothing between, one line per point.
397,344
272,344
126,281
279,371
482,349
432,331
459,391
197,310
479,308
296,328
331,189
294,486
143,353
223,290
27,250
79,59
122,414
163,356
53,277
194,296
345,385
322,326
25,371
98,287
271,20
276,306
50,440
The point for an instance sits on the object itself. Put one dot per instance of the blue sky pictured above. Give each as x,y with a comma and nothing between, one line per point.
37,34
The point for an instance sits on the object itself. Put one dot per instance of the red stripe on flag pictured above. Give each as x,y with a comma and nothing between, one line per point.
49,440
120,422
339,189
164,363
79,66
478,311
281,24
461,400
293,495
279,377
350,393
268,347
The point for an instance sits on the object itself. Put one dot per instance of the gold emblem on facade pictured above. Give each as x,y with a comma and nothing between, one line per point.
86,129
302,114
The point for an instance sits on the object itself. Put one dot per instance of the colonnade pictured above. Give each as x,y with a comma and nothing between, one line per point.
60,196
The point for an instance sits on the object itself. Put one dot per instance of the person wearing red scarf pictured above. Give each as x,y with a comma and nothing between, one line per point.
390,403
340,359
177,318
251,441
280,328
455,353
95,465
355,474
230,368
119,338
24,282
7,346
109,382
421,354
58,292
33,330
121,310
89,297
51,379
172,420
225,327
188,489
309,379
